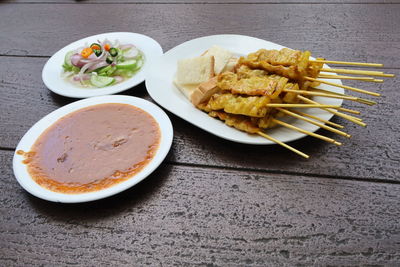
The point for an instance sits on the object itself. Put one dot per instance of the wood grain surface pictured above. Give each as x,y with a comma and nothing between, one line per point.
198,216
207,1
340,32
212,202
24,100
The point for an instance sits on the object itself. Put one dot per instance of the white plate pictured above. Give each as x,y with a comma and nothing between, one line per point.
25,180
52,70
159,84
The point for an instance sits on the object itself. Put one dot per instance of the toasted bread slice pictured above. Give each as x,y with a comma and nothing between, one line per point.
186,89
195,70
221,56
204,91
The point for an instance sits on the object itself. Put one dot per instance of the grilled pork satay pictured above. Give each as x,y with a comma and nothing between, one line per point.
290,97
240,122
254,106
256,82
292,64
285,57
244,72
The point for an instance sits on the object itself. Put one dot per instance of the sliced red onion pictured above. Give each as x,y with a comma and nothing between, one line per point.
131,53
103,54
84,68
126,46
84,77
91,58
76,60
98,65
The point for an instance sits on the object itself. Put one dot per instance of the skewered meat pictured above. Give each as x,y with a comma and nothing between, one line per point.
254,106
240,122
292,64
285,57
256,82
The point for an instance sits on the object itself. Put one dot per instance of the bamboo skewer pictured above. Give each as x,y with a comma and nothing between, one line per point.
343,86
344,77
327,139
344,116
341,108
350,111
347,63
326,127
359,72
361,100
283,144
346,97
307,100
318,119
277,105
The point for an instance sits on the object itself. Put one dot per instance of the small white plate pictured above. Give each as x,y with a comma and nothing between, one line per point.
53,70
26,181
159,84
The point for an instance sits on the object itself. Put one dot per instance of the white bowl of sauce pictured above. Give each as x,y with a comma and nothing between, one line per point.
92,149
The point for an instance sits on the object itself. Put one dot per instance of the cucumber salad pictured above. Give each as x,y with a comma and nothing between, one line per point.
102,64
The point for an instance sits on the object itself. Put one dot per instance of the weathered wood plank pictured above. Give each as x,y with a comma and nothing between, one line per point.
206,1
198,216
372,152
335,31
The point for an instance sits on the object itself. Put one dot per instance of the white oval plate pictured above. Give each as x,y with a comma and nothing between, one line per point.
159,84
53,70
26,181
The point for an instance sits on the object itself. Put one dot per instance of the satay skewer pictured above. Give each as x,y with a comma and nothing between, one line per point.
307,100
347,63
324,138
359,72
283,144
361,100
326,127
344,77
344,116
278,105
352,111
318,119
343,86
339,96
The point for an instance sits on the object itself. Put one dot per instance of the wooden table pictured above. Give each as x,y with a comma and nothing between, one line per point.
212,202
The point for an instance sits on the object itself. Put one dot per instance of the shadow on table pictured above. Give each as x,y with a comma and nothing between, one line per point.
111,206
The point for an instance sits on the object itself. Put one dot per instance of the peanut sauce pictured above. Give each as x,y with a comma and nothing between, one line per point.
93,148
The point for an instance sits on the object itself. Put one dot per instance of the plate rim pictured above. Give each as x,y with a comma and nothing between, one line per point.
253,141
78,92
26,181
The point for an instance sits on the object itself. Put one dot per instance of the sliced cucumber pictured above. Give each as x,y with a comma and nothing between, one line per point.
101,81
104,70
128,64
67,59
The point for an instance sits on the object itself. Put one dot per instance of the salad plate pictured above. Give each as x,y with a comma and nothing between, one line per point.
53,73
27,182
159,84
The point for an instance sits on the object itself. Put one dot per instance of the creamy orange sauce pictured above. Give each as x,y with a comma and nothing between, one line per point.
93,148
